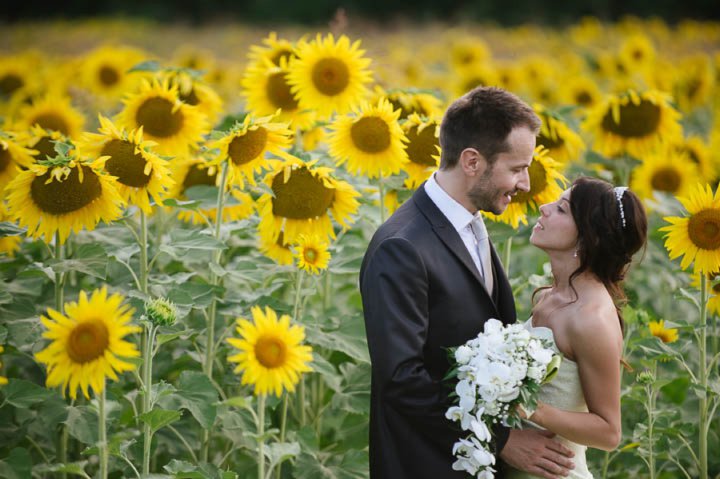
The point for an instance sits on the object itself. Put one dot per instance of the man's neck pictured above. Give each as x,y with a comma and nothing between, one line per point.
454,187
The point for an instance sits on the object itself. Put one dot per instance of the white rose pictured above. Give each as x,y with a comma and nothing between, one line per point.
463,354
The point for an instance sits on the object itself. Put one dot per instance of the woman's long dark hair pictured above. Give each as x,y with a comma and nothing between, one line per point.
606,246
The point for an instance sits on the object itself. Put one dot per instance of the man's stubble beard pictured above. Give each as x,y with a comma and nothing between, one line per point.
484,196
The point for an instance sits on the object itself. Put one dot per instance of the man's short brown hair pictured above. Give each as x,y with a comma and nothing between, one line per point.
482,119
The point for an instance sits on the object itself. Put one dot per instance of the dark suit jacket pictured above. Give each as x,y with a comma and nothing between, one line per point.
421,294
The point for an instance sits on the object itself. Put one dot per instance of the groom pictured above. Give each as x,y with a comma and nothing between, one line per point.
429,281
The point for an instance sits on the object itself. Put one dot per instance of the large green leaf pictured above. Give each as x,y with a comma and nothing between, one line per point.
17,465
82,424
182,241
348,338
21,393
355,394
352,465
195,393
159,418
91,259
75,468
187,470
198,295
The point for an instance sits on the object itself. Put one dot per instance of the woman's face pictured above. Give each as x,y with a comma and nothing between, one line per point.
556,229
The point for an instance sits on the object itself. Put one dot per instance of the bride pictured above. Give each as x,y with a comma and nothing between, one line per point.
590,235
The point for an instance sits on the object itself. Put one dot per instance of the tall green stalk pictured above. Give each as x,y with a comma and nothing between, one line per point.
651,393
381,189
261,439
212,312
296,317
147,354
508,255
59,307
703,423
102,436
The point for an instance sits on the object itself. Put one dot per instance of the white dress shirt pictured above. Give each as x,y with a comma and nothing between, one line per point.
458,216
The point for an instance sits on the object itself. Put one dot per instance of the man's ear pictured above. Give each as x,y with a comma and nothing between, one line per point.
472,162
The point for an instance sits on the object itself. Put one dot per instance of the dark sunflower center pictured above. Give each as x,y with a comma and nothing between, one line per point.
51,121
108,76
270,351
156,117
246,148
666,179
704,229
693,87
692,154
583,98
370,134
278,92
61,197
538,183
198,176
9,83
331,76
88,340
5,158
473,82
302,197
421,146
45,147
280,54
549,142
635,120
124,163
190,98
310,255
716,288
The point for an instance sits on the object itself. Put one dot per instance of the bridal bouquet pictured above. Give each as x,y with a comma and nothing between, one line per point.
497,372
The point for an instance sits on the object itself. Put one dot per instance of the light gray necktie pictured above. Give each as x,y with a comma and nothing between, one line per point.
482,243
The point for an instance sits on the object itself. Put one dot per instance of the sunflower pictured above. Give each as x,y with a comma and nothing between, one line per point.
637,53
271,355
12,155
666,335
51,112
633,123
105,72
303,196
197,171
698,151
193,57
277,250
40,142
468,52
192,91
174,125
313,137
546,185
581,91
694,82
478,75
410,101
246,144
63,194
423,149
8,244
140,172
16,73
311,253
329,76
266,88
696,237
562,142
370,141
276,50
666,171
3,379
88,342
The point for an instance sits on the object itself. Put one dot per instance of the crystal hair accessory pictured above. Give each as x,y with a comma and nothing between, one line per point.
619,192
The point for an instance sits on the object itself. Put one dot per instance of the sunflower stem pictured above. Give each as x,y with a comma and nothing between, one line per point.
283,423
381,189
214,281
651,393
296,317
102,436
147,352
508,255
143,253
59,307
704,423
261,438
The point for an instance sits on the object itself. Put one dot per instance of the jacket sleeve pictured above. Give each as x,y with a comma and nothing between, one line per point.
394,288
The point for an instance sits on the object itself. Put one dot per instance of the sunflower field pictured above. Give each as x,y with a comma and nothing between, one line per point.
183,214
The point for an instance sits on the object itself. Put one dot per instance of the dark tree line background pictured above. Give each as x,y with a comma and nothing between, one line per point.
555,13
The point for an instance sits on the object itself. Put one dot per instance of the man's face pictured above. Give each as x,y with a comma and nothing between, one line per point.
494,188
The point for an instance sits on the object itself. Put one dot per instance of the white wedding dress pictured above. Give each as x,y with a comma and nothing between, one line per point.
563,392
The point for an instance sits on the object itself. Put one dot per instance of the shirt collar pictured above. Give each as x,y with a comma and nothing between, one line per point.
456,213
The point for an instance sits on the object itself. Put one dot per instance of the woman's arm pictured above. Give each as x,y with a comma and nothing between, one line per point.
596,340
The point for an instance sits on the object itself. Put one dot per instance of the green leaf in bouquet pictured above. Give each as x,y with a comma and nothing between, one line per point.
159,418
23,394
552,368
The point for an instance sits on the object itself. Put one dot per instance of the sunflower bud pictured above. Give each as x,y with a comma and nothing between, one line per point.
161,312
646,377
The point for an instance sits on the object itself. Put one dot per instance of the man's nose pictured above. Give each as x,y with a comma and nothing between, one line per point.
524,183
